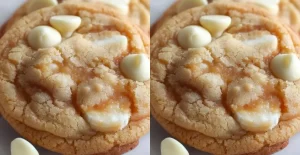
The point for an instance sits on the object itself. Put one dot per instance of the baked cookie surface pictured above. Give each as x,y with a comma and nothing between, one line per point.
85,92
219,88
136,10
287,10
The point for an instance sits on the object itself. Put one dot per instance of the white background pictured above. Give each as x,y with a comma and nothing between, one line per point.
158,134
7,134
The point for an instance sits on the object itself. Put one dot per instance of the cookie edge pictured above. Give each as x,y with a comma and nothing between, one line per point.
268,150
171,128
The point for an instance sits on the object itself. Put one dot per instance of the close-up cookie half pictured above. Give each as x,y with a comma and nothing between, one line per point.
287,10
225,79
75,79
136,10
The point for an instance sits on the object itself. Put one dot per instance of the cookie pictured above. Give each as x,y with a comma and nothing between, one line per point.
2,30
287,10
224,79
189,135
137,11
75,79
146,3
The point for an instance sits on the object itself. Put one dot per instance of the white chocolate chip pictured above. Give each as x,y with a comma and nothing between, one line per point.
20,146
111,120
114,42
39,4
103,108
255,114
269,41
136,67
187,4
260,120
43,37
65,24
121,5
270,5
215,24
286,67
170,146
193,37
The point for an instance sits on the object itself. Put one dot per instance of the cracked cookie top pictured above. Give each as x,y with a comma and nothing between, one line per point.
225,70
287,10
75,70
137,10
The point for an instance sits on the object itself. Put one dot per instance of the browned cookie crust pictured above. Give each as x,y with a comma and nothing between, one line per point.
121,150
269,150
185,136
146,3
2,31
70,147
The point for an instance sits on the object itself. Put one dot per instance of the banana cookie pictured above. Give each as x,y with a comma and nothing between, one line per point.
75,79
287,10
136,10
225,79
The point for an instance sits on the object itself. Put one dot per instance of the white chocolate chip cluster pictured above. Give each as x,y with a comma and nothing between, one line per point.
134,66
195,36
244,95
285,65
46,36
103,101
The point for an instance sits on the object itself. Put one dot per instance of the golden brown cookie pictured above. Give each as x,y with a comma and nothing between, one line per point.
137,11
225,79
140,14
287,10
2,30
270,149
189,135
75,79
146,3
